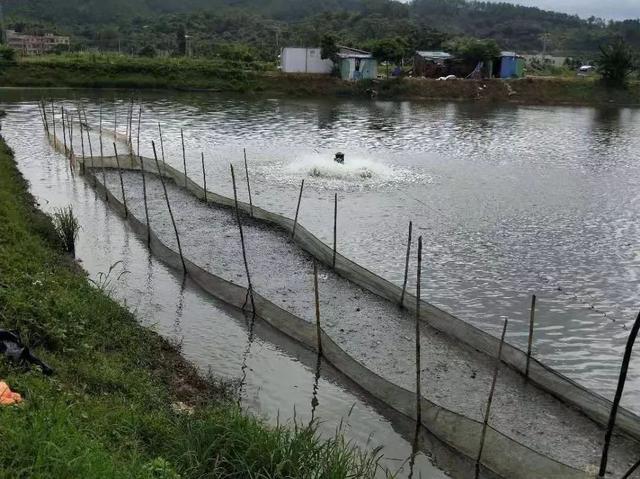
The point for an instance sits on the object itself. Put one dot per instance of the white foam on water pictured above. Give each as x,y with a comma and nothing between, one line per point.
355,173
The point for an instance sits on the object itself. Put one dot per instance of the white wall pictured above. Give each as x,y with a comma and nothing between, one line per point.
304,60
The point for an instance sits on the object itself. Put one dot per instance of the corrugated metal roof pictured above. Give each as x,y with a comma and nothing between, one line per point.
508,54
435,55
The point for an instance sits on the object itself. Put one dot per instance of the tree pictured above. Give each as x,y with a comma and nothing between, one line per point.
329,48
473,50
7,54
181,40
147,51
616,63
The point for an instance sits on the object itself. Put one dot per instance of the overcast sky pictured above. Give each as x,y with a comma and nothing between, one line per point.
617,9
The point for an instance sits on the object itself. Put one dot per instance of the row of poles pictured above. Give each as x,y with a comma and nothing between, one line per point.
67,128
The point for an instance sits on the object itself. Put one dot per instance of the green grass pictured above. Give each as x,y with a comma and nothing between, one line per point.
108,411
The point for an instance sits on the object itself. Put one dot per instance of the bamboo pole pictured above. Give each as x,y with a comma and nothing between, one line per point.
485,424
335,231
161,144
115,119
64,132
632,470
295,222
317,299
532,315
53,121
104,173
41,115
618,396
418,354
138,133
246,171
244,251
166,197
184,158
131,125
406,266
72,153
204,179
44,115
144,194
81,138
86,124
124,198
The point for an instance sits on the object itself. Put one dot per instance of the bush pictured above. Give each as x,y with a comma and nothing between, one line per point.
7,54
616,63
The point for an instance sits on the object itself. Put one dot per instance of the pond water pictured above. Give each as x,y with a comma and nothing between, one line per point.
511,201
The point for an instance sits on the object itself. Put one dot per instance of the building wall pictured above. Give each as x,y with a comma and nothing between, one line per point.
34,44
304,60
368,69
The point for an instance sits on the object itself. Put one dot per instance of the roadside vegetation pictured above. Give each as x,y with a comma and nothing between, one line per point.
121,403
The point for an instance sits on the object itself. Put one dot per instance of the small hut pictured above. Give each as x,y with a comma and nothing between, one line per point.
357,64
508,65
431,64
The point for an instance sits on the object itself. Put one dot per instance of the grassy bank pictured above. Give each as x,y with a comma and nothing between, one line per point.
122,403
119,71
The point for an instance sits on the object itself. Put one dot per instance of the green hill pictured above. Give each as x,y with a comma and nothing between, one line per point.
262,26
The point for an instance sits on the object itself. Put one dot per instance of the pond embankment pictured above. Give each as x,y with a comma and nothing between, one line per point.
122,402
259,79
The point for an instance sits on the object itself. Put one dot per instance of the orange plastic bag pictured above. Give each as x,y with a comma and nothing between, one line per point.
8,397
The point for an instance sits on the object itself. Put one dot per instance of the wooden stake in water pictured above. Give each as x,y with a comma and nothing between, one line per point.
144,194
72,151
244,250
532,315
632,470
317,298
161,144
44,115
335,231
124,198
81,139
416,437
104,174
115,119
166,197
204,179
41,115
53,120
64,132
406,266
184,158
487,413
418,354
618,396
246,172
295,221
86,127
138,133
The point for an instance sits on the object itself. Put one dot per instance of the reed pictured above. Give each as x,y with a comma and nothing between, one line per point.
67,227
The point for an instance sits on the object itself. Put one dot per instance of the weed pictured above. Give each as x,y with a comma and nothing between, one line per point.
67,227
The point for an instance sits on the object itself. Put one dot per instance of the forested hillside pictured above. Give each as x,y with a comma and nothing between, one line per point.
257,28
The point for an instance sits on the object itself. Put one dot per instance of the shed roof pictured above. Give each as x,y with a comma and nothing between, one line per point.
508,54
434,55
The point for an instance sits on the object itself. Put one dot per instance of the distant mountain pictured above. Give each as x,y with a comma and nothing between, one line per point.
267,24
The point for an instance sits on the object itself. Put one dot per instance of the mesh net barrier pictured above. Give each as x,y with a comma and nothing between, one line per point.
502,455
